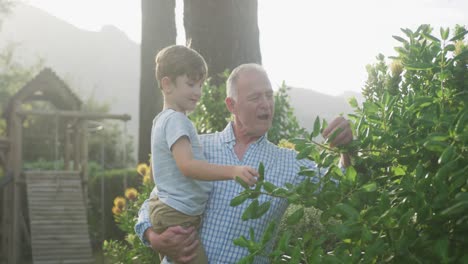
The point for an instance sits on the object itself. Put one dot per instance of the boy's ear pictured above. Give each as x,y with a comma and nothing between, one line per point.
166,84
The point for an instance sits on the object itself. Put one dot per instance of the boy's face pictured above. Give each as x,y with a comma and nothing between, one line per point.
185,93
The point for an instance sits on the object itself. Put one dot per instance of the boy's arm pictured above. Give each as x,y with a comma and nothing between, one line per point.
202,170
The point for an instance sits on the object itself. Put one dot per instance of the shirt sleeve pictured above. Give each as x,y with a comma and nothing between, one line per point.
177,126
143,223
319,171
309,165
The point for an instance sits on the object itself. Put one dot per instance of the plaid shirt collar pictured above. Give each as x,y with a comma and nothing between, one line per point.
227,136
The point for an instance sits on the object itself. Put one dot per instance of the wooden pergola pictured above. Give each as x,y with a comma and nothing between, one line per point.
48,87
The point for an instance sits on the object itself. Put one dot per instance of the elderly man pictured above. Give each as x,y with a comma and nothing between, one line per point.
250,99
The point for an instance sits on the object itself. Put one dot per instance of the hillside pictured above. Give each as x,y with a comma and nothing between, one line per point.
308,104
105,64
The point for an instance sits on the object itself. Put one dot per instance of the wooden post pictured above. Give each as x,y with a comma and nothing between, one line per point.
66,149
15,132
84,158
76,146
4,145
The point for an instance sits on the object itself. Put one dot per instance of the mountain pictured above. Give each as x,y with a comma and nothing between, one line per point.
105,65
308,104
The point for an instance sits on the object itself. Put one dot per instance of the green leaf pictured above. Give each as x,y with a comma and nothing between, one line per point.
350,174
241,241
370,187
408,32
269,187
242,183
239,199
442,249
252,234
444,33
430,37
447,155
450,47
295,217
293,198
334,134
400,39
461,56
268,234
261,171
459,36
283,242
353,102
308,172
250,211
436,146
347,210
457,208
262,209
398,171
418,66
316,130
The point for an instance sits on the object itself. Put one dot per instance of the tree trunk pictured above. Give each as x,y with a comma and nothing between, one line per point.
158,32
224,32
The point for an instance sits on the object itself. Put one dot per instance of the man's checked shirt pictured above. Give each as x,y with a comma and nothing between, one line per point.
222,223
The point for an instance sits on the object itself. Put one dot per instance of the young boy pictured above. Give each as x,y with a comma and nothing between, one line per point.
181,174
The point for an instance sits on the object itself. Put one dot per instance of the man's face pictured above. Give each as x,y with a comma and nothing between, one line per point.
254,106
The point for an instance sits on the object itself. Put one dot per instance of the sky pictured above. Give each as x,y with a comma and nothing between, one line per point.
322,45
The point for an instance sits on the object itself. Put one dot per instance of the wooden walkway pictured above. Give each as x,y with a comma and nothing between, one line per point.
58,218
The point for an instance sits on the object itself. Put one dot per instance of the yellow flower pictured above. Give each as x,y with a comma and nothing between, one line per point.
286,144
119,202
147,180
142,169
131,194
116,210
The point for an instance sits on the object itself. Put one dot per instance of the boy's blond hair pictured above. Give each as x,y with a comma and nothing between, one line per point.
177,60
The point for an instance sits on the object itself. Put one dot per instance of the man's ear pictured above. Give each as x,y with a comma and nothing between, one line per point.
230,104
166,84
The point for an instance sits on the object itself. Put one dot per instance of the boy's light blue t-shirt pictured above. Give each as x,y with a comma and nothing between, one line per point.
182,193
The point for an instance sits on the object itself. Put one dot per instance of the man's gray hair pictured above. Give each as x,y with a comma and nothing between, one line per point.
231,89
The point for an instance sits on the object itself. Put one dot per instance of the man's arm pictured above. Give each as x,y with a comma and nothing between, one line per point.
176,242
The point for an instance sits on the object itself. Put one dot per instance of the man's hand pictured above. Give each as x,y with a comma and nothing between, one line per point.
343,138
177,243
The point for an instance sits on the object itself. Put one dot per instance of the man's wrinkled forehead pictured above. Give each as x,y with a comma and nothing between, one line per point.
254,80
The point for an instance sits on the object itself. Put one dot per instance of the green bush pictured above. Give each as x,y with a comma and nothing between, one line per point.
125,213
405,198
113,186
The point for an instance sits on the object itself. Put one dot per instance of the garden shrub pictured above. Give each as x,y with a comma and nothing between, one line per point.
404,199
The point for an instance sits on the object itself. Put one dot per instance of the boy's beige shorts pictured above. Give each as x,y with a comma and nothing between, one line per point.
164,216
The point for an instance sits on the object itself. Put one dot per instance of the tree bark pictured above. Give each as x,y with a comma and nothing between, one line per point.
158,32
224,32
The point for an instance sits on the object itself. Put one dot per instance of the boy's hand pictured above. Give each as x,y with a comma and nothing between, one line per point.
247,174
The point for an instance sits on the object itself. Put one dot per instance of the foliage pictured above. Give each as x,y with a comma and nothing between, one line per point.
285,124
104,185
404,199
125,211
211,114
5,8
13,76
